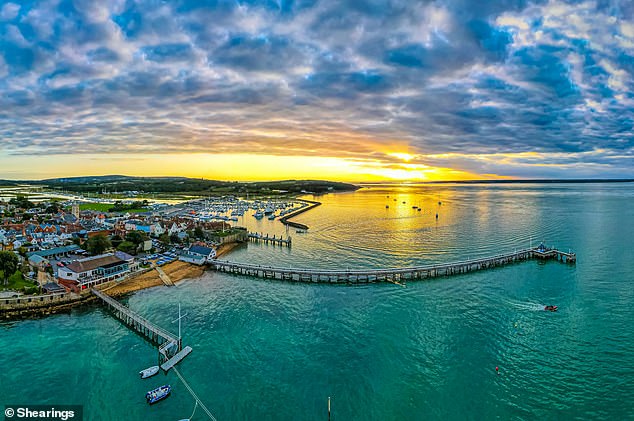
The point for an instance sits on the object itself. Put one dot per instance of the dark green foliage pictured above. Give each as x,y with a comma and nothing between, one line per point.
136,237
52,208
127,247
98,244
116,240
31,290
192,185
21,202
8,264
165,239
16,277
121,207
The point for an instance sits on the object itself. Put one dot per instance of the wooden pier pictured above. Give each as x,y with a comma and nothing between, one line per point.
393,275
169,346
266,238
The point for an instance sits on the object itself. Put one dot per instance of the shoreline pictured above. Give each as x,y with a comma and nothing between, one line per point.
178,271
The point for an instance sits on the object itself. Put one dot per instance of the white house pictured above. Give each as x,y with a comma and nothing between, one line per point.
198,255
174,229
157,230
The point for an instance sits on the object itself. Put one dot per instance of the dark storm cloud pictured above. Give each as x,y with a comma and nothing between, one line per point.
470,85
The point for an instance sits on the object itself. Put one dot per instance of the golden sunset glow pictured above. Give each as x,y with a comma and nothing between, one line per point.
243,167
402,155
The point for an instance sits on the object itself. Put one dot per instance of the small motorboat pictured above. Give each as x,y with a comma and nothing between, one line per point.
550,308
158,394
149,372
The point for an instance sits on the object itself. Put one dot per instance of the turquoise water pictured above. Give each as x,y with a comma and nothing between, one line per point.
269,350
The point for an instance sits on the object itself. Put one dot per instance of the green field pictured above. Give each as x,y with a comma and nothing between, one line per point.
103,207
16,286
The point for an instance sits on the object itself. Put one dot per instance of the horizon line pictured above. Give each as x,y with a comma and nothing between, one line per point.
476,181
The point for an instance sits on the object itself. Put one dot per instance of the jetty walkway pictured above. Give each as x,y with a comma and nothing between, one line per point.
169,346
266,238
392,274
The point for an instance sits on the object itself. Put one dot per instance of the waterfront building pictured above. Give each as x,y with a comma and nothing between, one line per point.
85,273
198,255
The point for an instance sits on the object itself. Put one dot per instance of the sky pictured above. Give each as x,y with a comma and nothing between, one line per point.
342,90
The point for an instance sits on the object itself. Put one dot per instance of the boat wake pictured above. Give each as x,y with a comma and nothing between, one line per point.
529,306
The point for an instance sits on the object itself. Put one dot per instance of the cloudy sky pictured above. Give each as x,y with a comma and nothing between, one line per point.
349,90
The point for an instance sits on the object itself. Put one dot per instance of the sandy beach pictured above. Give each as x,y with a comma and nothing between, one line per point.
177,271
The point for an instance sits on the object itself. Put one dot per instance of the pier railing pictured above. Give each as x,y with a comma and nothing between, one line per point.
266,238
390,274
140,324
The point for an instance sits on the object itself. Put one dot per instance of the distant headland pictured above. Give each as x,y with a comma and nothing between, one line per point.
183,185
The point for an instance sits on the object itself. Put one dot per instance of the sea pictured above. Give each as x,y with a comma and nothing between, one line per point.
428,350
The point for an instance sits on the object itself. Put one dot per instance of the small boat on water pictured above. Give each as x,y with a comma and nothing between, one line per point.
149,372
158,394
387,206
550,308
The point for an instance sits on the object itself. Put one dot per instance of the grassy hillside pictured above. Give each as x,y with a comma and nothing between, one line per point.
190,185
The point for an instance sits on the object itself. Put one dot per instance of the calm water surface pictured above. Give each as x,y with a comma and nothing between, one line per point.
268,350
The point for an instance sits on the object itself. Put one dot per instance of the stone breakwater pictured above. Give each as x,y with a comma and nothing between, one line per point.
285,220
40,305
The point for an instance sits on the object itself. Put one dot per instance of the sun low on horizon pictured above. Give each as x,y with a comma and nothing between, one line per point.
346,91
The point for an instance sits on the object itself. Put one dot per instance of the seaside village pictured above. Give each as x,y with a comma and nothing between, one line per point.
52,247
